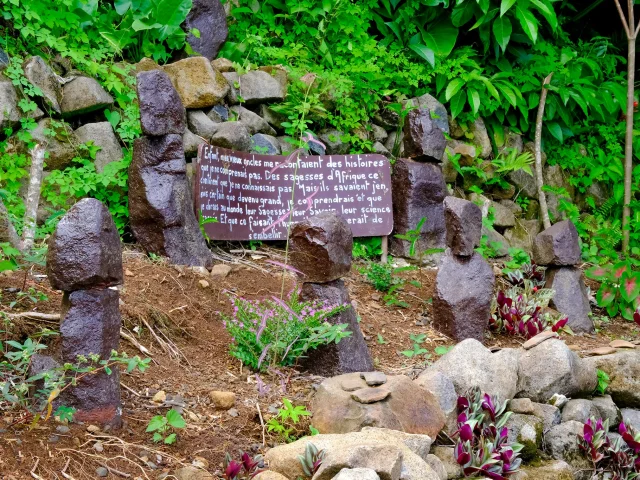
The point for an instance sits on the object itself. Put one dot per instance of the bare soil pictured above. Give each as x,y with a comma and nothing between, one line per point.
168,311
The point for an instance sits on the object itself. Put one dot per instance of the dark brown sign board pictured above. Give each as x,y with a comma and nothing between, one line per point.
251,195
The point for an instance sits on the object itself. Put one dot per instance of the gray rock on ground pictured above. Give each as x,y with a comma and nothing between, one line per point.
447,457
85,251
630,416
495,373
83,95
41,75
357,474
463,221
200,124
570,375
256,87
10,114
197,82
554,470
191,142
437,110
607,409
441,387
623,369
579,410
561,444
103,136
463,295
350,354
503,216
332,139
570,297
254,122
423,140
61,146
160,202
496,241
231,135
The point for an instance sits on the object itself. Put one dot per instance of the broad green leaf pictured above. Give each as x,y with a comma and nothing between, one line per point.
170,14
175,419
555,130
490,87
462,13
457,103
502,32
171,439
156,423
630,286
605,296
395,29
122,6
599,273
425,52
505,5
547,12
528,22
441,37
474,100
454,87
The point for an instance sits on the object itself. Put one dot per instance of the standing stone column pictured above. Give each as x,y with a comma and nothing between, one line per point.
84,260
160,199
464,283
558,248
320,248
418,185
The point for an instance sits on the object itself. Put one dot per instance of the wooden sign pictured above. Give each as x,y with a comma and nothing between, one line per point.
253,197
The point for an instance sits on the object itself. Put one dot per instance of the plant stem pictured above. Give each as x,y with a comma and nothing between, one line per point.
542,198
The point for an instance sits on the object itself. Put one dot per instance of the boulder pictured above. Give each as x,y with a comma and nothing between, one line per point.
549,414
83,95
448,168
41,75
468,153
553,470
418,191
146,64
254,122
555,177
631,417
522,234
233,80
387,452
350,354
463,220
521,405
443,389
462,298
91,325
10,114
210,19
437,110
194,473
511,206
390,143
264,144
405,406
320,248
570,297
190,143
357,474
85,251
197,82
334,144
448,459
550,368
258,86
160,202
494,373
607,410
496,241
561,444
623,369
423,140
218,114
272,117
380,149
526,430
480,138
558,245
103,136
61,146
503,217
200,124
161,110
524,182
378,133
437,466
579,410
231,135
223,64
512,141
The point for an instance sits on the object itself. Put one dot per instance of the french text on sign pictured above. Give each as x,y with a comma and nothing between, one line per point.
253,197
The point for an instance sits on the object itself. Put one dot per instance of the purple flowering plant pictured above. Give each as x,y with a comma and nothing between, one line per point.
273,331
482,448
613,458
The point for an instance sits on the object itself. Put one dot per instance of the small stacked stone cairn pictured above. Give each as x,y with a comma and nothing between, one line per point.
464,284
418,185
320,249
85,262
558,249
160,199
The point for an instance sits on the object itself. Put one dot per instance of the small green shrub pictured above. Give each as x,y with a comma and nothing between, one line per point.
285,423
162,426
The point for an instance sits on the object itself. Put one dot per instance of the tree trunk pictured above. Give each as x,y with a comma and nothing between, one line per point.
33,198
7,230
542,198
628,147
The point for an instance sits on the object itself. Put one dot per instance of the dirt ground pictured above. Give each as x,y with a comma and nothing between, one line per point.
168,311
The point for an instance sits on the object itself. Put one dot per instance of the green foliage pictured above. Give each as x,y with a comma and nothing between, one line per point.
272,331
285,423
385,278
603,383
367,248
416,349
412,236
619,291
161,426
